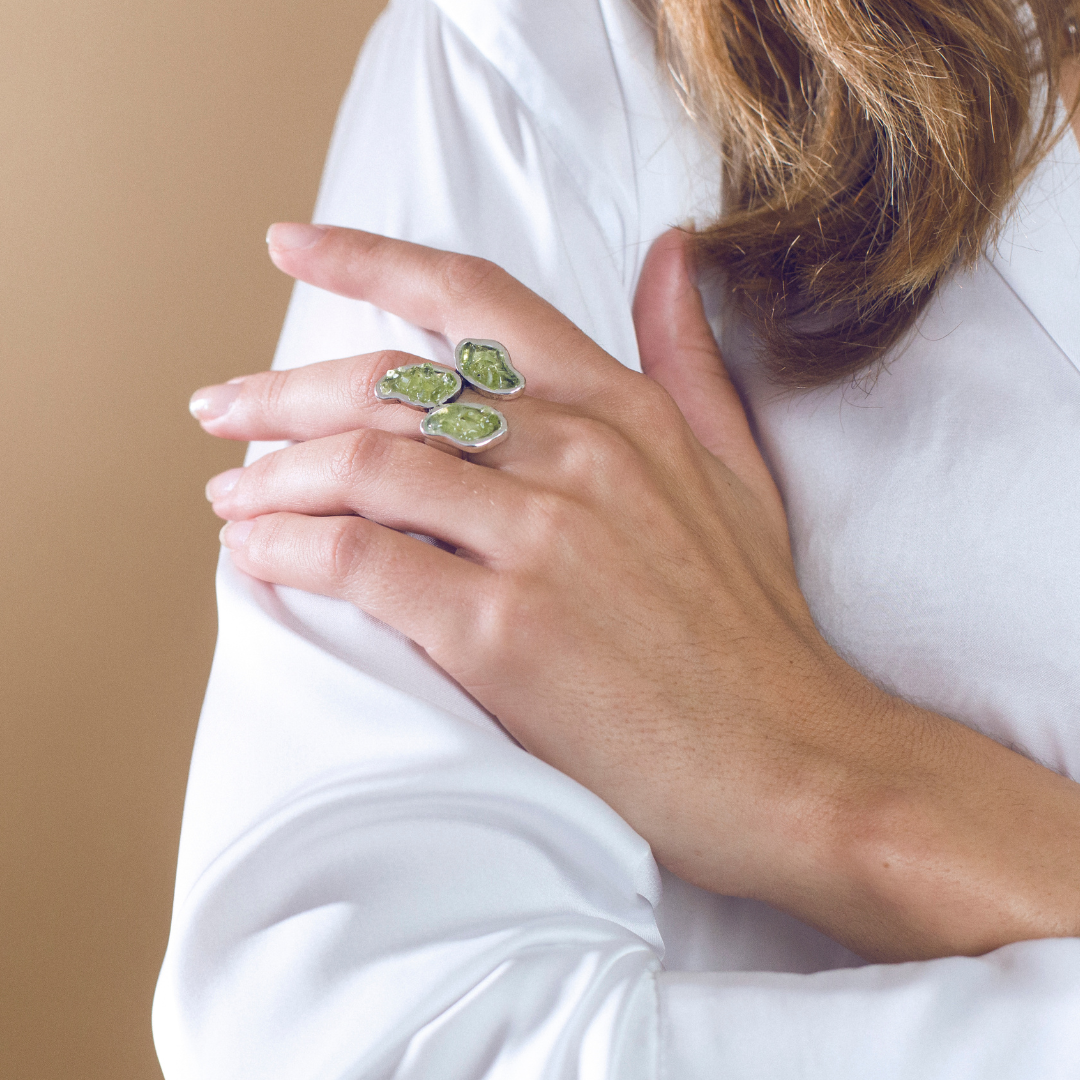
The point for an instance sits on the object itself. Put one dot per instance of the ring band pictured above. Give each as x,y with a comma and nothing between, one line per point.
482,364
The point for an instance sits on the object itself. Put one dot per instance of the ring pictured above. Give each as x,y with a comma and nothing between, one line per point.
472,428
482,364
423,386
485,365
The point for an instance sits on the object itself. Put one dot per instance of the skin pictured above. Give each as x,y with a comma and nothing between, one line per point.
623,599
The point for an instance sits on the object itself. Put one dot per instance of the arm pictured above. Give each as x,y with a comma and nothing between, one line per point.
333,919
373,879
900,833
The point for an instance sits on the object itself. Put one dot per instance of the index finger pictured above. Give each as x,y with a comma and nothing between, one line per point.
456,295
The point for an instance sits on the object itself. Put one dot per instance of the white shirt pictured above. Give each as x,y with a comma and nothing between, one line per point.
374,881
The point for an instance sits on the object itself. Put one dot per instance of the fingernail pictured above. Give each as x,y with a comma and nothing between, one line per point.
222,484
292,236
234,534
213,402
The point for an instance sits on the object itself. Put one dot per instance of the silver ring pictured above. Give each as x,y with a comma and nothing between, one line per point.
472,428
432,388
420,386
485,365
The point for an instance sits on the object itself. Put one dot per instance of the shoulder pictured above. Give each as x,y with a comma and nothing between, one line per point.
579,68
583,75
560,53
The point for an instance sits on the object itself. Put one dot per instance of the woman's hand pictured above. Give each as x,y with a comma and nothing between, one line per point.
623,599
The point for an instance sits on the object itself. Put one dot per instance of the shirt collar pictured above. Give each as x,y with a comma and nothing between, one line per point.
1038,254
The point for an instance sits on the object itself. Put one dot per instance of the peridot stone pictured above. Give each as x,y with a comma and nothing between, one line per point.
487,366
466,425
424,385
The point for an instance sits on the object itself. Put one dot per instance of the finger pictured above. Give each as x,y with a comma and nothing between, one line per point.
397,482
338,396
307,402
456,295
329,398
431,596
679,351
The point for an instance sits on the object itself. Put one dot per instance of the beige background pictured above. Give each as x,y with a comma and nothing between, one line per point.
144,148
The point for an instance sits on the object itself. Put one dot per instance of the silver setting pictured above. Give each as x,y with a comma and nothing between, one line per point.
395,396
488,343
469,446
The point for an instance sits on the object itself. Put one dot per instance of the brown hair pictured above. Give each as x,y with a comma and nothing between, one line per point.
869,147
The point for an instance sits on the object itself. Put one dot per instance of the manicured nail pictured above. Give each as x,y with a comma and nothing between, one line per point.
222,484
234,534
291,236
213,402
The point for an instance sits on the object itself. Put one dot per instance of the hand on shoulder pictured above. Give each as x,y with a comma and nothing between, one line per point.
619,592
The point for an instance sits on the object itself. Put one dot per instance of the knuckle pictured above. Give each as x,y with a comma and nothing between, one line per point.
465,276
351,453
271,391
652,408
339,552
594,450
363,374
649,394
265,544
359,383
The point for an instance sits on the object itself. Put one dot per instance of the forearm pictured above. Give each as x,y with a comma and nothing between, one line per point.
906,835
967,848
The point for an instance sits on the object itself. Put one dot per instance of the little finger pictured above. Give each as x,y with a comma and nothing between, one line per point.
431,596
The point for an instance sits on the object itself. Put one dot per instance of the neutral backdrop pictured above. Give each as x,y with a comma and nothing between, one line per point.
145,146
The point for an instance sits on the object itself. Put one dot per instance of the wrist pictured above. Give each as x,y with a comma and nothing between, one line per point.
941,842
898,832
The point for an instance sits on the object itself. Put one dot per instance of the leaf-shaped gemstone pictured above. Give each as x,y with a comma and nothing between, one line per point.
423,385
467,426
486,365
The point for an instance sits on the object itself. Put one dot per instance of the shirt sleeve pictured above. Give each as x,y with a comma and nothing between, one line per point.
374,879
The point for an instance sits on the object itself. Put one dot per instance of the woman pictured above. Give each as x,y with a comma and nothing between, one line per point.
374,878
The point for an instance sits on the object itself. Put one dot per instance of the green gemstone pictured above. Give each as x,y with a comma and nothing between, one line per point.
424,384
487,366
468,424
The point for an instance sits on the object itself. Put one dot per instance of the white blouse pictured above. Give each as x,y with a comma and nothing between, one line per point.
374,881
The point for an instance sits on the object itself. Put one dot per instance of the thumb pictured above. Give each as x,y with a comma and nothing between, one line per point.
679,352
